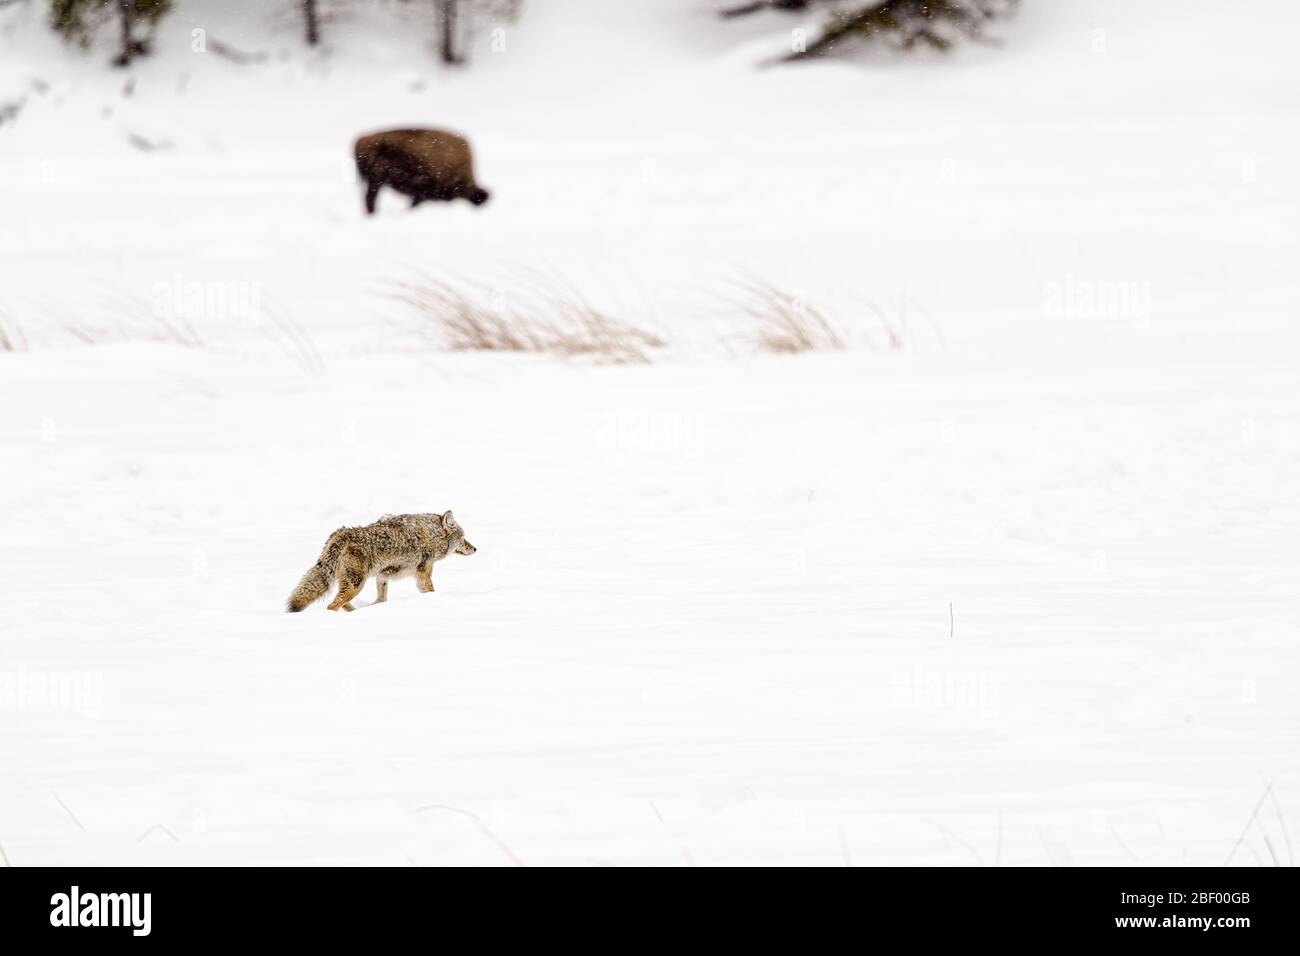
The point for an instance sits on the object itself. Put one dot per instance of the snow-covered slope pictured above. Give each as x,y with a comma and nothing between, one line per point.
632,150
1020,592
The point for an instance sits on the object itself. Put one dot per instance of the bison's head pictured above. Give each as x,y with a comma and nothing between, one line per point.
479,196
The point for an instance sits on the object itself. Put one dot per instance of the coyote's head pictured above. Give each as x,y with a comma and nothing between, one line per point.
456,535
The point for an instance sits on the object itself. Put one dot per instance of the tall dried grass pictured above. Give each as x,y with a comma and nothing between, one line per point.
136,320
768,318
533,312
780,321
12,338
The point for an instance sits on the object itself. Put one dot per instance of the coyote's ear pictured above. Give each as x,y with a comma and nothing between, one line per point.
447,518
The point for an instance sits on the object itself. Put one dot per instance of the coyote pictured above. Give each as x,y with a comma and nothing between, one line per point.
395,546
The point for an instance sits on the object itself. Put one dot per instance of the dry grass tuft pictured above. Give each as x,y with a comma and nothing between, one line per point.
535,312
780,321
775,320
289,335
12,338
129,318
895,328
137,321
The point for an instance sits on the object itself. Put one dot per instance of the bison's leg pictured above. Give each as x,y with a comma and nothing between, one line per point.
416,200
372,192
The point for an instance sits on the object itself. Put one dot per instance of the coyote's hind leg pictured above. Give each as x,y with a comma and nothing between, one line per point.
352,578
381,586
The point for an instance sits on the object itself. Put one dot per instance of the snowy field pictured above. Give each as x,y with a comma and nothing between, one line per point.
1022,590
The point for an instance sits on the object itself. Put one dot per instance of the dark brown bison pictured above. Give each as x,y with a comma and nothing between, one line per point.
420,163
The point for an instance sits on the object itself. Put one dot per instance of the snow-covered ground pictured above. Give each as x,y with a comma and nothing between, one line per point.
1022,591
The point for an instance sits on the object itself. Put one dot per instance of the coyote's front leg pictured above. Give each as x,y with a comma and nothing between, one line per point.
424,574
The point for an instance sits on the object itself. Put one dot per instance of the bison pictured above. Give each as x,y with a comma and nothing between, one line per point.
420,163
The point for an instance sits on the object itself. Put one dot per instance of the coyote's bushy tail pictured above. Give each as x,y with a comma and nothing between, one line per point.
316,582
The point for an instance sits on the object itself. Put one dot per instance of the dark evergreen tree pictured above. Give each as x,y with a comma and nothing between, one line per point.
903,24
455,18
447,10
79,20
311,21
